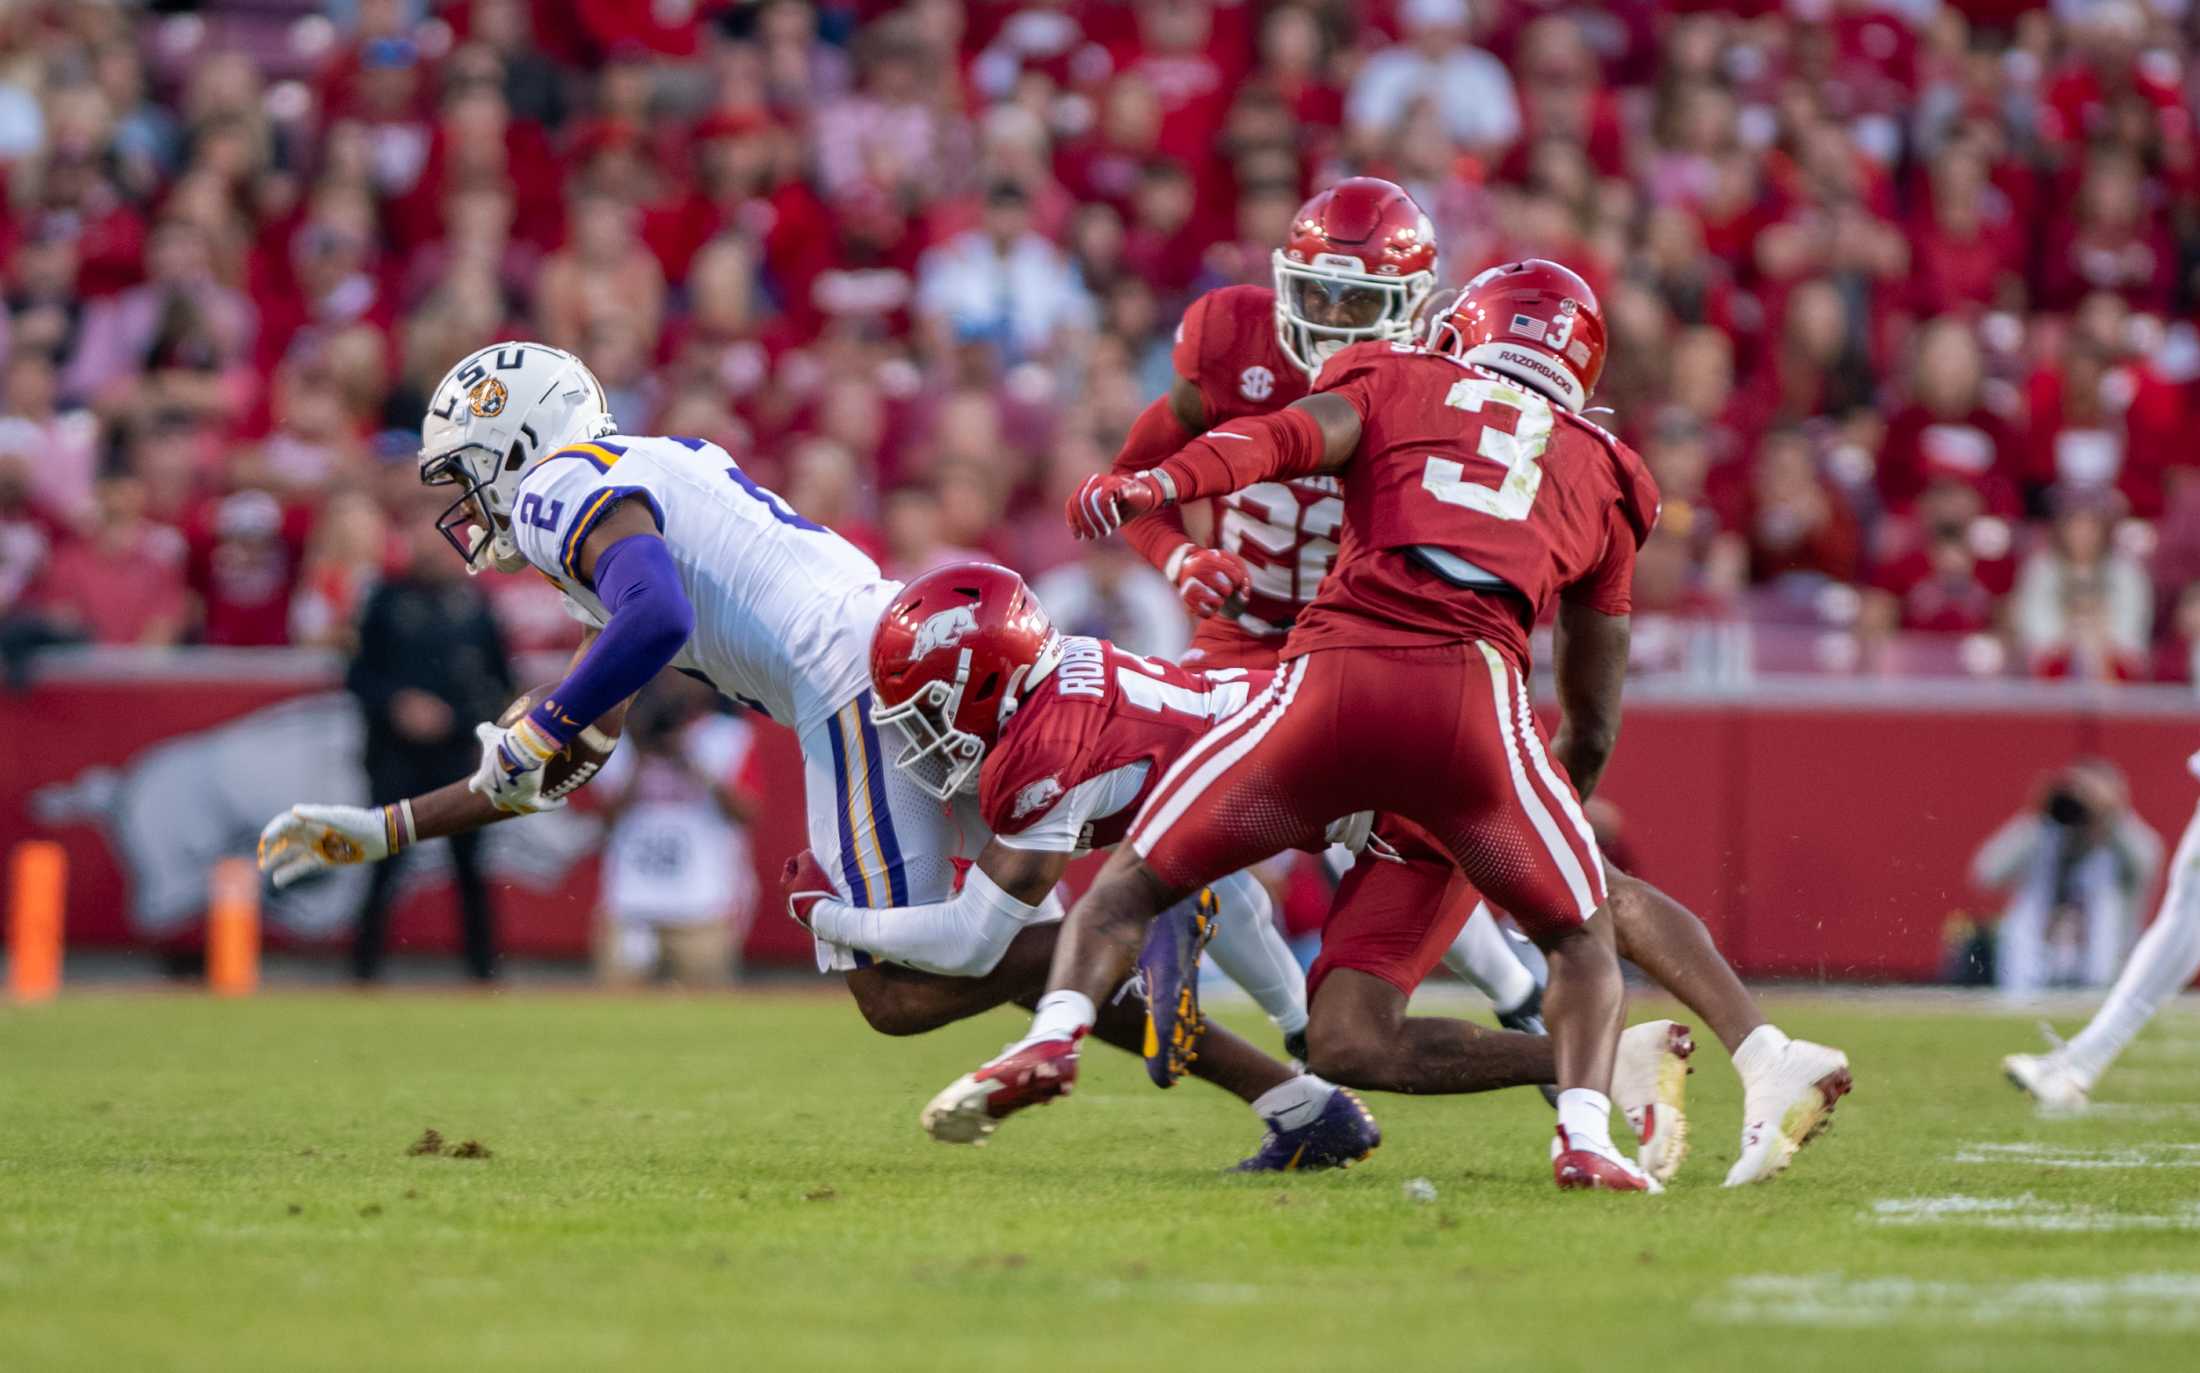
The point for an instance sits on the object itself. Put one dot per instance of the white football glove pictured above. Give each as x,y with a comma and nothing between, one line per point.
1351,830
510,774
309,839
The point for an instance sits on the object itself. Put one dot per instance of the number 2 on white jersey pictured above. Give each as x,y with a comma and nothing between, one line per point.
1518,452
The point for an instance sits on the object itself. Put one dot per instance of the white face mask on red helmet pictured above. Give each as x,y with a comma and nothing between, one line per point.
1360,261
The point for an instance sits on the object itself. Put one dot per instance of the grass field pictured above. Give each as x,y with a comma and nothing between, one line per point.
740,1183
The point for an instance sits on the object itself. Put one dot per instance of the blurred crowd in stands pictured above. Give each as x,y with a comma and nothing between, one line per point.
1902,293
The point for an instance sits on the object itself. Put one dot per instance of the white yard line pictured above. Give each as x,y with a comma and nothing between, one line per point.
2174,1047
2023,1213
2133,1110
2138,1302
2158,1154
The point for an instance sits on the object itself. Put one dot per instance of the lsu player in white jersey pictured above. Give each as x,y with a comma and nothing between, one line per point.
675,557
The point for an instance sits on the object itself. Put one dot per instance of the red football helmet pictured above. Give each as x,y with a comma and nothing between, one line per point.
948,661
1360,260
1535,321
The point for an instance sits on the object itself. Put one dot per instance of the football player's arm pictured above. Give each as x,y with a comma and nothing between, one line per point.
1205,578
623,557
963,936
1170,422
1316,434
1591,654
311,838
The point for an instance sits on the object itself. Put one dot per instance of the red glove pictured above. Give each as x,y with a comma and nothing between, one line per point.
805,884
1207,578
1105,502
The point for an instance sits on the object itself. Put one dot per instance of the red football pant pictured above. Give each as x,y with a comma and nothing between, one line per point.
1441,735
1219,642
1394,919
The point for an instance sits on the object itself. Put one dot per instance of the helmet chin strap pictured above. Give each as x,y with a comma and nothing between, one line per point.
1025,678
504,555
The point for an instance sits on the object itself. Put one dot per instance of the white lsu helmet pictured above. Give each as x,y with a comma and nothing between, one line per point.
495,415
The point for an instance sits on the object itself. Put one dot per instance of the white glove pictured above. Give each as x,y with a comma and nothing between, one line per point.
1351,830
510,774
308,839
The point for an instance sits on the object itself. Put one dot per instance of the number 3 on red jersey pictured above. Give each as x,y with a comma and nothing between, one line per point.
1518,452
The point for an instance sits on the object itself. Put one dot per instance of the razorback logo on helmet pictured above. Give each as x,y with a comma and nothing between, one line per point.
1256,383
487,398
942,629
1035,798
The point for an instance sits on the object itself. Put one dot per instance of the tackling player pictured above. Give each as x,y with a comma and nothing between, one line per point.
1067,737
1359,263
675,557
1403,687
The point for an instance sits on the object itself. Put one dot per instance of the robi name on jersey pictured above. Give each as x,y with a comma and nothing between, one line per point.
1084,669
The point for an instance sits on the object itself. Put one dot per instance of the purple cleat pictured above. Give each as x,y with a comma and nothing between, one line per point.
1342,1135
1168,968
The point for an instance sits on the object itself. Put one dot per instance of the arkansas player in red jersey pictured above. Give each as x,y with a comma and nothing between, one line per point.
960,654
1067,737
1403,685
1360,261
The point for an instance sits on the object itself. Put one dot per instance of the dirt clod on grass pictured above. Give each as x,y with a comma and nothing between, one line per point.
429,1143
472,1148
820,1194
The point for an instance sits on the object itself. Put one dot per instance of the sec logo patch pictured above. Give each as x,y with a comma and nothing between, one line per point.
1256,383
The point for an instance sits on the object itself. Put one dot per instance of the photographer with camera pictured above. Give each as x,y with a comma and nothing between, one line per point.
2075,867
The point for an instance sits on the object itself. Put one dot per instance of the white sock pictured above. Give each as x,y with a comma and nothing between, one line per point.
1062,1015
1759,1051
1295,1104
1250,949
1484,956
1586,1117
2161,965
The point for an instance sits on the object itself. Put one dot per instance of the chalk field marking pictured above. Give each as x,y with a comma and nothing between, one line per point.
2175,1081
1197,1293
2164,1047
2150,1155
2119,1110
2137,1302
2027,1212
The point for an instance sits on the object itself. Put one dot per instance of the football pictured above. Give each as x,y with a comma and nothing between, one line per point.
573,769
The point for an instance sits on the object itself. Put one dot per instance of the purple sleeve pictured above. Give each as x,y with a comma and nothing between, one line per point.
650,621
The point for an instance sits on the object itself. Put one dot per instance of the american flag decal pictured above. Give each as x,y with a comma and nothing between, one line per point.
1527,325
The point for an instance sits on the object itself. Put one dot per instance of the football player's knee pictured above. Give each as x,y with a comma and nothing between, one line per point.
890,1008
1349,1052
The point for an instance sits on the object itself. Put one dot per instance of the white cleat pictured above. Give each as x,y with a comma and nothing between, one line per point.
1650,1087
2052,1082
958,1115
1787,1106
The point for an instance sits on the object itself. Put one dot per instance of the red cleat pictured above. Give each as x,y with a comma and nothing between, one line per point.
974,1105
1593,1170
